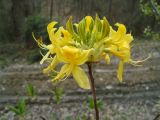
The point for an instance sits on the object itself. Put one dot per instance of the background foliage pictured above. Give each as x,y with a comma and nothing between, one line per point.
19,18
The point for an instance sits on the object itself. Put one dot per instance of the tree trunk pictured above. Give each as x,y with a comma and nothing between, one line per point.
51,9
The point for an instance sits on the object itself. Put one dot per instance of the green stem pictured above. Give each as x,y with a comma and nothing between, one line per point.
93,89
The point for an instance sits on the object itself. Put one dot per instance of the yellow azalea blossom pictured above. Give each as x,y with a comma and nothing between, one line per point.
60,37
90,35
52,35
73,57
89,41
118,44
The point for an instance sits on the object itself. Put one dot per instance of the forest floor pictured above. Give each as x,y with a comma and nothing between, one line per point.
137,98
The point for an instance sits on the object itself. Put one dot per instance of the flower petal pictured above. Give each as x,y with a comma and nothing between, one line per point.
51,66
83,57
51,29
64,72
121,29
44,58
107,58
81,78
120,71
51,26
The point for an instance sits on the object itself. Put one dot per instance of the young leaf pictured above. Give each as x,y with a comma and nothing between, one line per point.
22,107
30,90
69,25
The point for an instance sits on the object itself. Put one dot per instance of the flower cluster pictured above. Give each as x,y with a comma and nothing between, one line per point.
87,41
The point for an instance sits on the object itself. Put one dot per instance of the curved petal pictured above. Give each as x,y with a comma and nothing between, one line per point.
51,66
121,28
51,29
50,26
81,78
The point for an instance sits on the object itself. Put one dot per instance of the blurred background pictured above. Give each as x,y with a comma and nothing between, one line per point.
18,18
136,98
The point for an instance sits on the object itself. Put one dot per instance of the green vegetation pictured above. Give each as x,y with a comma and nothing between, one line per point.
90,103
37,25
58,94
31,92
19,109
151,8
150,34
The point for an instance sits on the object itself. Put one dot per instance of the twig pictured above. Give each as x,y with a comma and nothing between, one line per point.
157,116
42,118
93,89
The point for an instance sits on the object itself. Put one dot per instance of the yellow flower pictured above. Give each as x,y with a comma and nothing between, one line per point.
89,41
90,34
60,37
73,58
118,44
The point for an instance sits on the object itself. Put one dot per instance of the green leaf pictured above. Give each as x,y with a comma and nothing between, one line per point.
58,93
106,28
20,110
30,90
81,30
22,107
13,109
100,104
69,26
90,103
98,23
